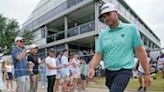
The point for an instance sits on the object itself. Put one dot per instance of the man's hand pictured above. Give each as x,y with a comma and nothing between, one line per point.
142,57
93,64
91,73
31,64
147,81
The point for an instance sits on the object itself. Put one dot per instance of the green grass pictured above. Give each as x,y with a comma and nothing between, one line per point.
157,85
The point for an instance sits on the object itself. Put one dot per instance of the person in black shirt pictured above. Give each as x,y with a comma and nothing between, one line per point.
33,67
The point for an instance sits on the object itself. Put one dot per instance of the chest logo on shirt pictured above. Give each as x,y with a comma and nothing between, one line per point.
122,35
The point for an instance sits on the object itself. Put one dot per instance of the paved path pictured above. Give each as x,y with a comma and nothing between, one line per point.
89,89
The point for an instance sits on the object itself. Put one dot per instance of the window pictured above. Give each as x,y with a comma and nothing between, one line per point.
60,47
41,53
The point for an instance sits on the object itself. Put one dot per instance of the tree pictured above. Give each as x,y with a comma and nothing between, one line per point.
28,36
96,1
9,29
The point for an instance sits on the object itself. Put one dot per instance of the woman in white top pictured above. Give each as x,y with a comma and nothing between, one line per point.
51,70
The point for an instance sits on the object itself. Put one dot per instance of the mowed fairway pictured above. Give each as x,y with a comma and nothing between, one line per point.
157,85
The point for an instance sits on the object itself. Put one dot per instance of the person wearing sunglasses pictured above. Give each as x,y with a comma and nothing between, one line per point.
20,65
117,46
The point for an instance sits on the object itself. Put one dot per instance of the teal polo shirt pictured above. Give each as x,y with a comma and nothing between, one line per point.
117,46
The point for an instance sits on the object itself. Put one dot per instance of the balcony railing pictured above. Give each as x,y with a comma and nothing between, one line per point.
87,27
71,3
55,37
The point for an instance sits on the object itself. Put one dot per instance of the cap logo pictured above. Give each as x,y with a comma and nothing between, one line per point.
105,7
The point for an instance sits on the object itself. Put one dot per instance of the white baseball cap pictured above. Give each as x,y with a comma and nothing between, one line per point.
33,46
107,7
18,38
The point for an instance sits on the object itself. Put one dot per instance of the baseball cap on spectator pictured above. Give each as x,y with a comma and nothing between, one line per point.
33,46
18,38
107,7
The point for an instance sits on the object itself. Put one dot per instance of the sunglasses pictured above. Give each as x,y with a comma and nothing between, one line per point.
36,48
21,41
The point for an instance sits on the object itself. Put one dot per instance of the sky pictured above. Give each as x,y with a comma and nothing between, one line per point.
150,11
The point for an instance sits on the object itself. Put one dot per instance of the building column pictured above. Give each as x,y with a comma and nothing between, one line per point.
147,43
151,46
97,28
96,37
46,31
46,52
65,26
66,46
143,39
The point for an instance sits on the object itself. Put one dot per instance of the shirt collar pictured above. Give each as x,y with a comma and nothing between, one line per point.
118,27
20,48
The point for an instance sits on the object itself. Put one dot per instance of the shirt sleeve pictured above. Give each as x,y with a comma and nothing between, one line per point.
30,58
47,60
15,52
136,38
99,44
63,61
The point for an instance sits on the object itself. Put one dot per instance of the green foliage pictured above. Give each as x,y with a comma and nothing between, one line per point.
9,29
97,1
28,36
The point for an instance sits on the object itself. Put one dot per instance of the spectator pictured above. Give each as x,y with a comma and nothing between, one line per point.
20,65
33,63
65,70
75,70
58,76
161,64
84,70
141,75
9,76
51,69
2,87
42,71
